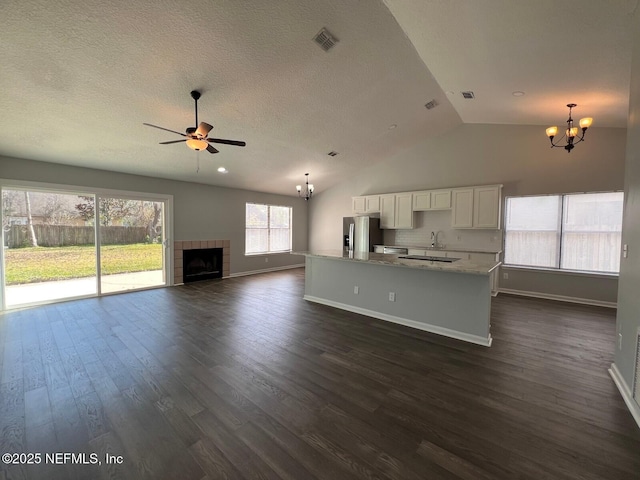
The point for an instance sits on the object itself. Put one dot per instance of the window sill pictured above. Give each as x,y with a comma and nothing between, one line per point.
261,254
573,273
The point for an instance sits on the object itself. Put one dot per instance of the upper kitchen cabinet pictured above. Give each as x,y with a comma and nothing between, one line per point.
440,199
421,201
431,200
365,204
477,207
462,213
358,204
396,210
372,204
404,210
486,207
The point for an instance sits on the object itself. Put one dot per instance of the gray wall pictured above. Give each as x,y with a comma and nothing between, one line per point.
628,320
201,212
477,154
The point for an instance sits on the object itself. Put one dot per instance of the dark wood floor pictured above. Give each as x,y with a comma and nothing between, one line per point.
242,379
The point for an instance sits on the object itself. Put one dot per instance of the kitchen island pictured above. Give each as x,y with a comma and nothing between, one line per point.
451,299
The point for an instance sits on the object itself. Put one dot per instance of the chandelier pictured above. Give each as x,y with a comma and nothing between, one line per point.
571,134
308,191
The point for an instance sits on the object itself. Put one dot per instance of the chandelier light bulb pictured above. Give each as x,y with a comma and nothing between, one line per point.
299,188
585,122
551,131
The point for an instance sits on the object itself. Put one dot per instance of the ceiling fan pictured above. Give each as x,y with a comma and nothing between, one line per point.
196,137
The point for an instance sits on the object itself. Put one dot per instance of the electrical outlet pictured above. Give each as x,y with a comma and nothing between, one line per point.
392,296
625,250
266,259
505,275
356,289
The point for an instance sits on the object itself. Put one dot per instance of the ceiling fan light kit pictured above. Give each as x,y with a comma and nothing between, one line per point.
196,137
571,133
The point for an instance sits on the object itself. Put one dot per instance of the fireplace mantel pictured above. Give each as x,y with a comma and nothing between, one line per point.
180,246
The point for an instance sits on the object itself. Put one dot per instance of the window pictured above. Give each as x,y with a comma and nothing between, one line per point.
268,229
569,232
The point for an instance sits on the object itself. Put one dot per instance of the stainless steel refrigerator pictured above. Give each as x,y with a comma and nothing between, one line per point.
360,234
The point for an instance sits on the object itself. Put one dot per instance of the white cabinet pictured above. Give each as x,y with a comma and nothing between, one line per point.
372,204
462,213
486,207
421,201
358,204
440,199
431,200
477,207
396,211
387,211
404,210
365,204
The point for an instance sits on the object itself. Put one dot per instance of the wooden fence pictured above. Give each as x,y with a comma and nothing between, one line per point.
66,235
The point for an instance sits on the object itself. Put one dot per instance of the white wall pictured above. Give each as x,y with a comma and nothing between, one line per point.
628,320
201,212
519,157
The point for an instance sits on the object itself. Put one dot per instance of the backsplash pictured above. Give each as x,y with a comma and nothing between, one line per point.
440,221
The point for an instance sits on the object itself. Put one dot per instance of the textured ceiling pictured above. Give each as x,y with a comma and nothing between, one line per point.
78,79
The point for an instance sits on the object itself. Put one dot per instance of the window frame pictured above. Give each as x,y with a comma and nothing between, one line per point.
561,217
268,229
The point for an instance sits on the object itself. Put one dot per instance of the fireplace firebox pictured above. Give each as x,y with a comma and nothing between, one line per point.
202,264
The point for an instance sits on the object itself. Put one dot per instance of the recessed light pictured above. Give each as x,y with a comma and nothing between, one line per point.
392,126
222,170
517,93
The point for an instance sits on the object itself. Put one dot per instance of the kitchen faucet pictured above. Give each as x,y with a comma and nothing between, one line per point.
434,239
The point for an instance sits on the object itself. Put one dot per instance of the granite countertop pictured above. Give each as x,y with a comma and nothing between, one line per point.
459,266
445,249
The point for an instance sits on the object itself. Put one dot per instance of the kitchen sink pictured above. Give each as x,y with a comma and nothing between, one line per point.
429,258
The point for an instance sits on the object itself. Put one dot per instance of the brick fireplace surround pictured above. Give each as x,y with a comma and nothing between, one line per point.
179,247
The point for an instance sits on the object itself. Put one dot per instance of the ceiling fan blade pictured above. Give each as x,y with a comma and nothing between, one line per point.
162,128
173,141
210,149
203,129
226,142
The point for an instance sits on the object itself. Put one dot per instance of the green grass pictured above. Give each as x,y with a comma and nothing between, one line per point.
41,264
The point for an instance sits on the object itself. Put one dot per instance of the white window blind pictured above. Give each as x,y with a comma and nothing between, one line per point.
268,229
570,232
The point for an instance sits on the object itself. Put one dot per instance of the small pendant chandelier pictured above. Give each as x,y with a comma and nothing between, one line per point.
571,134
308,191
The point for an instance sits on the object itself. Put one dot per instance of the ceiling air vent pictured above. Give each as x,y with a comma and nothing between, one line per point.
325,40
332,153
432,104
468,95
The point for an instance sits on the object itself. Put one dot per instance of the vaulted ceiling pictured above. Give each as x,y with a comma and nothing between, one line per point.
79,78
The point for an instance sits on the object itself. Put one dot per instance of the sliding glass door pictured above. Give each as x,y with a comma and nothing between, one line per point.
50,250
49,247
131,244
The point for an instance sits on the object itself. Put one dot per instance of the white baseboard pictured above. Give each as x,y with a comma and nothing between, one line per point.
264,270
625,391
560,298
478,340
